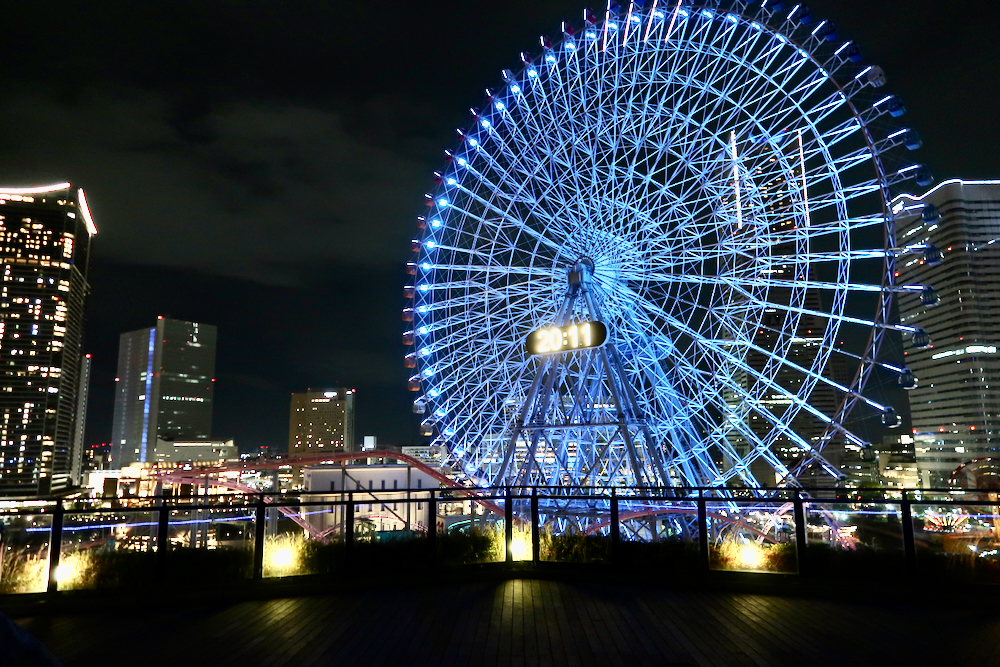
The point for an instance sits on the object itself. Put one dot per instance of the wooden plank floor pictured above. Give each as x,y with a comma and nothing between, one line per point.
525,622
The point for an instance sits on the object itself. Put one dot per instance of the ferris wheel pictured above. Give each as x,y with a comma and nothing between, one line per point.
663,254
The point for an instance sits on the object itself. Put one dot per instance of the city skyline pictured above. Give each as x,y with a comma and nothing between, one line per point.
181,166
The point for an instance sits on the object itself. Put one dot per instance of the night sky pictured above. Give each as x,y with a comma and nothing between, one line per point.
259,165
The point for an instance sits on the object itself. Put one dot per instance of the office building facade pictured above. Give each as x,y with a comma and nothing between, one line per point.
45,237
195,451
165,387
321,420
807,334
955,405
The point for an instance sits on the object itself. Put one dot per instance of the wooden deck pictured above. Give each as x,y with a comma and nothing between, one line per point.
524,622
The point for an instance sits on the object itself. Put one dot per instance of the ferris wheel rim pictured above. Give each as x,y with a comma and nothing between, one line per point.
533,74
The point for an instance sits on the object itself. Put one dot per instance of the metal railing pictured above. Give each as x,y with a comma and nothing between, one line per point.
706,516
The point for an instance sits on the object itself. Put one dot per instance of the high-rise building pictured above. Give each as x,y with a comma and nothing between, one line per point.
808,333
45,236
955,405
79,451
320,420
166,380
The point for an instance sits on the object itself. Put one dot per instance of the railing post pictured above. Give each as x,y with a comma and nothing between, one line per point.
349,529
615,527
801,532
432,526
703,528
260,516
162,535
508,524
535,537
55,547
909,548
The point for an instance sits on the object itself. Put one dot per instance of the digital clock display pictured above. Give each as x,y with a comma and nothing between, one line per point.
570,337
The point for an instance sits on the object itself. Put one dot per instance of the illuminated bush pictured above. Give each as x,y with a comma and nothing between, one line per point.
23,572
744,555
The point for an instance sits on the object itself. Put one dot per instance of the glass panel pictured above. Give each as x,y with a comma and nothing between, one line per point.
304,539
390,527
106,549
24,552
659,532
575,529
468,532
211,544
752,535
848,539
959,541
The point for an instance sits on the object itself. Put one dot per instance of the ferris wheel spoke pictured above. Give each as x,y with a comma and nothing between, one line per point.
741,364
542,271
506,220
769,283
784,423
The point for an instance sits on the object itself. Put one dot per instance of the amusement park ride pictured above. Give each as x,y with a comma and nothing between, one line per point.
684,177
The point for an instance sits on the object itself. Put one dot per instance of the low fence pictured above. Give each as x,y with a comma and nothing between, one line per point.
53,545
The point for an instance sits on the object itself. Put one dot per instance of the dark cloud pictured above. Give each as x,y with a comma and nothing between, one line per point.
258,165
242,189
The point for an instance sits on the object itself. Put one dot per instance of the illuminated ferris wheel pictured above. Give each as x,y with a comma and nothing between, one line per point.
642,263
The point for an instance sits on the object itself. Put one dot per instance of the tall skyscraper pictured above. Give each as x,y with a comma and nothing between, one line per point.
320,420
956,403
79,451
808,333
166,378
45,236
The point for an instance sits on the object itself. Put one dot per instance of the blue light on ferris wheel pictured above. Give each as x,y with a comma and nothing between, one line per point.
469,421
